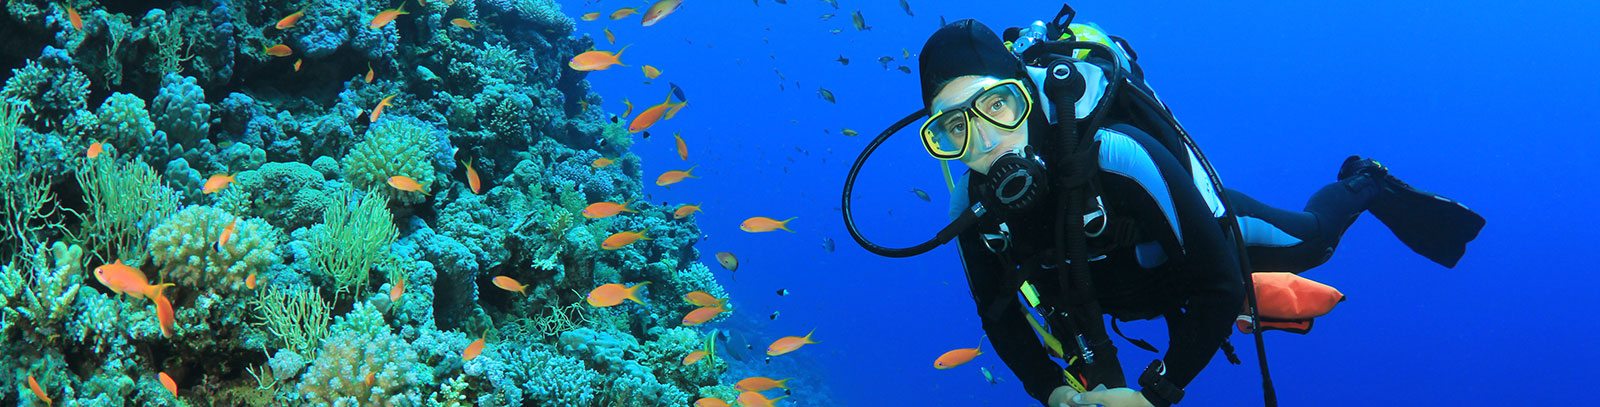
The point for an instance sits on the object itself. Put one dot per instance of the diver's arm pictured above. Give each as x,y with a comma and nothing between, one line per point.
1009,335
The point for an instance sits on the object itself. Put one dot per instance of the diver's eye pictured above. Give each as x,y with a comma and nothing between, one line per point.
997,106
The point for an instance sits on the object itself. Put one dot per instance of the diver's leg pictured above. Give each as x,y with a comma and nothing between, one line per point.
1431,225
1295,241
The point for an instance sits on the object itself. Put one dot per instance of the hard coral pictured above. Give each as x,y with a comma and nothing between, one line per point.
395,146
184,247
180,110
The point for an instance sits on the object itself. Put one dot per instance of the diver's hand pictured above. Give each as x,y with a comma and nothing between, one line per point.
1062,397
1118,397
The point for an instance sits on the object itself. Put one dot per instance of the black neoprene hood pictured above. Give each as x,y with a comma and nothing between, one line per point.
962,48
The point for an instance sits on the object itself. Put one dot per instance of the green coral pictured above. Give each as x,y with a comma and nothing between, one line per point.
338,375
123,200
184,246
27,208
41,290
399,146
353,237
297,317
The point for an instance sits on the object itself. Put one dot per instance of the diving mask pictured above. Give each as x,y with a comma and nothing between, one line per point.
948,134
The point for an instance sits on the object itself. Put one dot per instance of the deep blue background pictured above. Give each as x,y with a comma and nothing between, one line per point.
1487,102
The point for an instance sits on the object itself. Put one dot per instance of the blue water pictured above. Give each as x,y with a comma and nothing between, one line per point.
1490,103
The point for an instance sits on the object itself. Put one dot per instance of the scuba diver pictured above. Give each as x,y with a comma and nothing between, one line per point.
1084,197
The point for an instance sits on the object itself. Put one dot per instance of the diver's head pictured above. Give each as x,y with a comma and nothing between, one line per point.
974,90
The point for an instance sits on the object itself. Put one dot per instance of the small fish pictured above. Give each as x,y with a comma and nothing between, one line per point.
783,292
472,350
677,92
684,211
297,63
613,294
710,402
624,12
226,236
849,133
77,23
250,282
826,17
95,149
702,314
463,23
760,224
693,357
472,178
645,134
387,16
905,52
651,72
660,10
398,290
956,358
167,383
885,60
591,16
754,399
407,184
835,31
378,111
510,284
701,298
728,261
789,344
922,194
216,183
827,244
622,239
987,376
291,20
39,391
683,149
859,21
602,210
164,314
842,60
597,60
279,50
774,316
907,7
834,3
825,95
368,78
610,38
941,21
601,162
371,377
674,176
760,384
904,68
628,112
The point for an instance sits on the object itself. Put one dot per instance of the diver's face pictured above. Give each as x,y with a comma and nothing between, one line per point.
988,141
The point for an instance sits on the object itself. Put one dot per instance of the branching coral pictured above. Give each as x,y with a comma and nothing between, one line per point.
185,247
353,237
123,202
44,292
27,208
298,317
338,375
399,146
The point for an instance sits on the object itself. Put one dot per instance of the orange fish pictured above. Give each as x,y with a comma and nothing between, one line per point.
407,184
660,10
612,294
693,357
591,16
122,279
754,399
472,350
279,50
398,290
683,149
371,377
95,149
291,20
77,23
701,298
684,211
650,116
164,314
601,162
250,282
602,210
597,60
622,239
166,381
378,111
472,178
463,23
369,73
760,384
387,16
510,284
764,224
651,72
702,314
217,183
710,402
297,63
227,235
39,391
610,38
674,176
789,344
728,261
955,358
630,108
623,12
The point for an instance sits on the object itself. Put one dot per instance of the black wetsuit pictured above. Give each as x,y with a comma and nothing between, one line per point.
1184,266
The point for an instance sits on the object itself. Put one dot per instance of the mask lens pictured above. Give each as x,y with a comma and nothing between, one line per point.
945,136
1003,105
